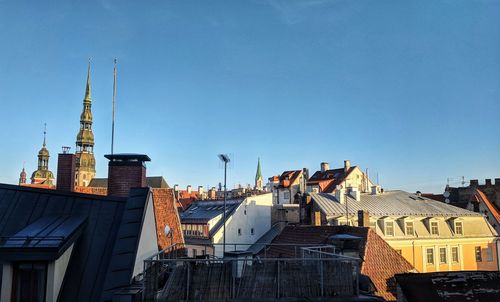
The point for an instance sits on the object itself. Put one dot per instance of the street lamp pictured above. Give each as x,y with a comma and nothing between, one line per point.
225,159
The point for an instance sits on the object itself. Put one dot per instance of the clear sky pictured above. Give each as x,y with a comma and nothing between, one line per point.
408,89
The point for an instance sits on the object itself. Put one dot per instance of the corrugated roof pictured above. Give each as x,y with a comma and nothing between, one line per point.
390,203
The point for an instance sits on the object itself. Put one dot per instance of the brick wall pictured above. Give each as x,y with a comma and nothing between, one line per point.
123,177
66,172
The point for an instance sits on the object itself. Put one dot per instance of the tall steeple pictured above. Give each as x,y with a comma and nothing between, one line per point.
259,183
85,160
43,175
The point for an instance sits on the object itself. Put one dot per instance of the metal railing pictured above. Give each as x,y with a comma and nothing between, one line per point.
317,272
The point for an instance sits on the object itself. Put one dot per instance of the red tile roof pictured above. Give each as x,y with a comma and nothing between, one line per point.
380,261
339,178
185,199
92,190
288,178
166,214
481,197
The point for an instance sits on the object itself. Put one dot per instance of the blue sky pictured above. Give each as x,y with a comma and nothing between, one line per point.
408,89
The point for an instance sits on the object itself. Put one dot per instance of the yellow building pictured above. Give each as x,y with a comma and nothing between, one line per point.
431,235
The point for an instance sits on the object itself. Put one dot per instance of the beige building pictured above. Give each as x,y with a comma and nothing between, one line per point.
431,235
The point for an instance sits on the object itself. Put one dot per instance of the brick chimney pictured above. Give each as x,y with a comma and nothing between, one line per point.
126,171
66,164
363,218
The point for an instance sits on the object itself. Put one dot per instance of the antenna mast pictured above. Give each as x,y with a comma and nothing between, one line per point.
113,109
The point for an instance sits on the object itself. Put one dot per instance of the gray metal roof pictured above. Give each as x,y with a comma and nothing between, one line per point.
102,259
203,211
389,203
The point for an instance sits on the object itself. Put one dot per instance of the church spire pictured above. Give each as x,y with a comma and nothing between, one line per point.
259,183
88,96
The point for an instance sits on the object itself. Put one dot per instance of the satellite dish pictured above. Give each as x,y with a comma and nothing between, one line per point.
447,200
446,194
167,230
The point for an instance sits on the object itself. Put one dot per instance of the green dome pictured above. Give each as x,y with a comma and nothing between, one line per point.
46,174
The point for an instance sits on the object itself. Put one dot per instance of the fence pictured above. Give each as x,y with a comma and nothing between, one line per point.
318,273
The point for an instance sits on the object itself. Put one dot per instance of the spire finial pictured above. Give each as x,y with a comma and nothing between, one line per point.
87,88
44,133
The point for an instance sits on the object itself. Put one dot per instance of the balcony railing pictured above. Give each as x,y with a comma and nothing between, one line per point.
315,272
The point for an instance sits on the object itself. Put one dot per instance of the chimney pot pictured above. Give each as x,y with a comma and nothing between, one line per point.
340,195
487,182
325,166
375,190
126,171
176,187
474,183
189,189
66,169
347,165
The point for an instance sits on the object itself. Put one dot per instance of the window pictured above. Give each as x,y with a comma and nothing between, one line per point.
29,281
286,195
442,255
434,228
409,228
454,254
458,228
389,228
239,232
489,254
430,256
479,258
252,231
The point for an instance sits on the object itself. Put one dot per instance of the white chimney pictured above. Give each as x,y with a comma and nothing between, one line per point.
355,193
325,166
340,195
200,190
347,165
375,190
189,189
176,187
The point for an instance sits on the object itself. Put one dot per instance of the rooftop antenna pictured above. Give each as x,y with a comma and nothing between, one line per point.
113,109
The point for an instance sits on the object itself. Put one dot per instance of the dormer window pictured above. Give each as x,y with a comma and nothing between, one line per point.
29,282
459,228
389,228
434,228
409,230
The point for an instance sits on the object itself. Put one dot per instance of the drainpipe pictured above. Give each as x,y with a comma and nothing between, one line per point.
413,245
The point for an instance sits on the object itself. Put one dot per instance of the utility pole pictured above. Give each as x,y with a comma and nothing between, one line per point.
225,159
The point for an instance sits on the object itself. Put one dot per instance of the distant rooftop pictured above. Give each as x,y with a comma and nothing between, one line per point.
389,203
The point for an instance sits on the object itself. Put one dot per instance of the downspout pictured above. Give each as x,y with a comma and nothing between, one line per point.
413,245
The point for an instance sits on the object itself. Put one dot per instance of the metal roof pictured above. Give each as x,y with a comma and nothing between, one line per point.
203,211
45,239
102,259
389,203
152,181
